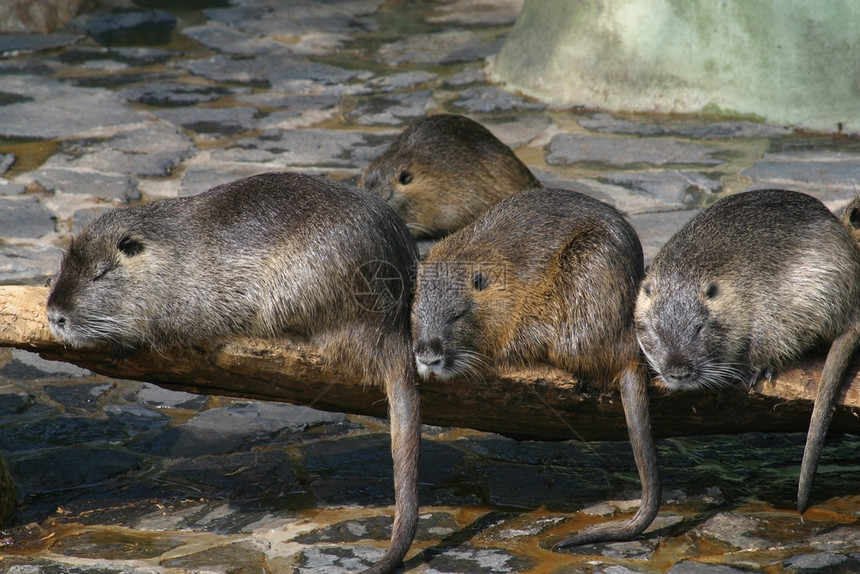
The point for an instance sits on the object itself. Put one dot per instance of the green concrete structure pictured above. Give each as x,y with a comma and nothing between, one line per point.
790,62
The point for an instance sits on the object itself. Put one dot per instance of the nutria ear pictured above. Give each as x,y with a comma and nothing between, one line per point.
129,247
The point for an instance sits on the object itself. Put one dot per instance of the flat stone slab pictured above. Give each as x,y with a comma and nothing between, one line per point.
609,124
672,187
566,149
54,109
25,217
11,44
27,264
828,173
269,70
493,99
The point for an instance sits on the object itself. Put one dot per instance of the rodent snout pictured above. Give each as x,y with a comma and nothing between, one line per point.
56,321
429,356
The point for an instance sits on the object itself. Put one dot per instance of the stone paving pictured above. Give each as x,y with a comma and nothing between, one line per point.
135,104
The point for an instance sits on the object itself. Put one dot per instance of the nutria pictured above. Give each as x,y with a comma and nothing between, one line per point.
746,286
544,276
278,253
442,172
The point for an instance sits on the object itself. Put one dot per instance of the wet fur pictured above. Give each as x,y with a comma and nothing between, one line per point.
748,286
272,254
456,167
549,276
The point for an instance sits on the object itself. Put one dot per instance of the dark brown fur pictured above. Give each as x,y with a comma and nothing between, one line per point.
745,287
442,172
278,253
549,276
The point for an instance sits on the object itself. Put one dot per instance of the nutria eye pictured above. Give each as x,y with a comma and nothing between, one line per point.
712,291
479,282
129,247
405,177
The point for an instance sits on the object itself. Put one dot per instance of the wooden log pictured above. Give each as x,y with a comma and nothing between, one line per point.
536,403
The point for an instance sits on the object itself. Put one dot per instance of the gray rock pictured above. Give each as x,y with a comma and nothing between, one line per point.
80,396
402,80
152,150
465,77
212,122
391,110
492,99
41,368
827,175
160,398
27,264
735,529
228,429
467,559
655,229
80,181
842,538
221,559
9,188
449,46
672,187
228,40
169,94
136,418
131,56
687,567
305,148
266,478
82,217
814,561
54,109
566,149
25,217
268,70
336,559
12,44
6,161
128,26
469,12
606,123
275,18
290,102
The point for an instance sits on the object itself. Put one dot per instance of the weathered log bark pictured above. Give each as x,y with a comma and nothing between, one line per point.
536,403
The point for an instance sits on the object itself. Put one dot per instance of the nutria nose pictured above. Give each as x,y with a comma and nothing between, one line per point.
56,319
676,368
430,352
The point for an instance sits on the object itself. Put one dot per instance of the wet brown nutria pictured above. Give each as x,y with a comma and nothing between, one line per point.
748,285
546,275
442,172
279,253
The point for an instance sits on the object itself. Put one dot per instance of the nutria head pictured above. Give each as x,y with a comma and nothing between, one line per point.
442,172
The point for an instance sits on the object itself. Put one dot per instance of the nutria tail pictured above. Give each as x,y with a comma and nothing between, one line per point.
835,367
634,397
404,413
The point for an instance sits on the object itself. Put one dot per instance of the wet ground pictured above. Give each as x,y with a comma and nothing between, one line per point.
117,476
